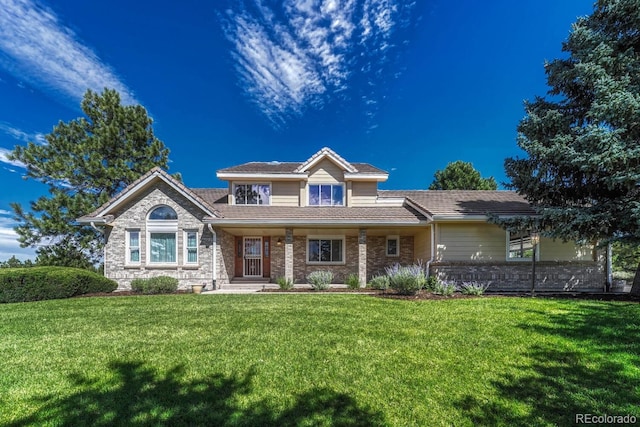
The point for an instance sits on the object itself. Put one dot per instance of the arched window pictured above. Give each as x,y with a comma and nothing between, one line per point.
162,229
163,213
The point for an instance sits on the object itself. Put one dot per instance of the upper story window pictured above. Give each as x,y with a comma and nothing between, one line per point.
252,194
520,247
326,195
163,213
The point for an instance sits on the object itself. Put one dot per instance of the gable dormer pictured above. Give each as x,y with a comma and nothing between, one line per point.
325,179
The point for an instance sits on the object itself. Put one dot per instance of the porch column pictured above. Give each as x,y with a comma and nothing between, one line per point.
288,253
362,257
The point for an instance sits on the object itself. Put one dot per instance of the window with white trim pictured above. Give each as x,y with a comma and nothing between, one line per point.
326,195
162,236
133,246
252,194
520,247
190,247
325,250
393,246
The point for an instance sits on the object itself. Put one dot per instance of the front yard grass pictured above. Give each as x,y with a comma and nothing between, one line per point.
349,360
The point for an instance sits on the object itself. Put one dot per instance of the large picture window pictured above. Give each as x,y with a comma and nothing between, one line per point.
323,250
163,247
162,236
520,247
326,195
252,194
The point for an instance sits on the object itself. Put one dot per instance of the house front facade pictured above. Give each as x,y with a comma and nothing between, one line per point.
288,219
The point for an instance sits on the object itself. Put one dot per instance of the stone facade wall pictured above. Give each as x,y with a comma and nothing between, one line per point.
132,215
225,258
578,276
377,258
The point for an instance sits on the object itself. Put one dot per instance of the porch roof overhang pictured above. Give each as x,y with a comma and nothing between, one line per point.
234,215
282,222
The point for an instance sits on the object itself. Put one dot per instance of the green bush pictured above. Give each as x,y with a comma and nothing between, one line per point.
379,282
320,280
473,288
155,285
432,282
44,283
406,280
445,288
284,283
353,281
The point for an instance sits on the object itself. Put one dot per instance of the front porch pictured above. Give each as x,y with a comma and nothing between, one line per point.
260,256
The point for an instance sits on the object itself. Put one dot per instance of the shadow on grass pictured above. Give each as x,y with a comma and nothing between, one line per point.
586,364
132,395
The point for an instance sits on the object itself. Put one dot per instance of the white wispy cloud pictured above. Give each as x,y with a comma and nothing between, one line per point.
4,158
9,245
306,52
38,48
21,135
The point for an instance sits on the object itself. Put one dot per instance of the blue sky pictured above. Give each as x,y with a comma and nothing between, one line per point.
407,86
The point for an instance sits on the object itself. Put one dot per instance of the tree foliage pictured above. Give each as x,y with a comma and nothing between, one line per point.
461,175
84,162
582,170
583,141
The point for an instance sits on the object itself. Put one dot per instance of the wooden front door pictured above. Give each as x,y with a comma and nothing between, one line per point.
239,263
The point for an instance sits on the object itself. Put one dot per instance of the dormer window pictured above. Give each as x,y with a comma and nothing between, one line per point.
326,195
252,194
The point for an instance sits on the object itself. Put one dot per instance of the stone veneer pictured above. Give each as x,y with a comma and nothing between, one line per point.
132,215
377,258
579,276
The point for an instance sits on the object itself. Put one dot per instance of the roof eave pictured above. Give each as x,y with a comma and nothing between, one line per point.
262,175
311,223
380,177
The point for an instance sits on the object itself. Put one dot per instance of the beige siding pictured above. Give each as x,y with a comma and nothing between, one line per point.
286,193
471,241
557,250
422,245
364,193
326,172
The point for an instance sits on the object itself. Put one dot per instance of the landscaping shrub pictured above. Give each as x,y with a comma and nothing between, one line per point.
353,281
284,283
155,285
320,280
444,288
473,288
406,280
44,283
379,282
432,282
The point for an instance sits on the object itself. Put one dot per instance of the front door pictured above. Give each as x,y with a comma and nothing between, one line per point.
252,257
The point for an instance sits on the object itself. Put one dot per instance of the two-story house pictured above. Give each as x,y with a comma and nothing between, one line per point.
287,219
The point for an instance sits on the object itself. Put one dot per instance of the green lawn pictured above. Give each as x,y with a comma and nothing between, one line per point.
316,360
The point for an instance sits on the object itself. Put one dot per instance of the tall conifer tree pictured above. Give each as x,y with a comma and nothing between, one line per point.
84,163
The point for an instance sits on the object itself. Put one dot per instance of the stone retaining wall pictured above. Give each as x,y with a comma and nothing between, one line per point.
577,276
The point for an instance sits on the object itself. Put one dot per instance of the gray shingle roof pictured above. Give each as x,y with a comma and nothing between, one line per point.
288,167
465,202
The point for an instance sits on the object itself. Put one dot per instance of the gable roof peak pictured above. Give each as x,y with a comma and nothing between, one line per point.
326,153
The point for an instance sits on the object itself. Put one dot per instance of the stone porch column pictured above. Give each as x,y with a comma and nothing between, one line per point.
288,254
362,256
